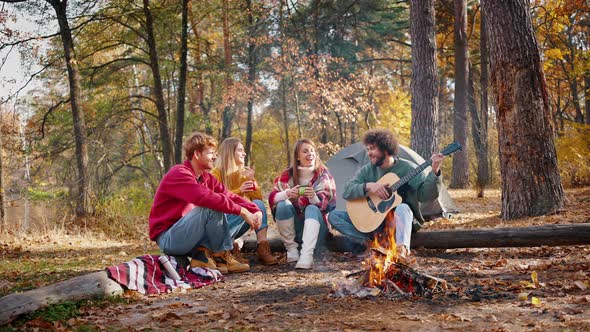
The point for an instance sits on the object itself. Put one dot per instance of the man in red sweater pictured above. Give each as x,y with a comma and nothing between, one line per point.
188,214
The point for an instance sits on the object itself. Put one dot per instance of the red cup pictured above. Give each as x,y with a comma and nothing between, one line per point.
251,185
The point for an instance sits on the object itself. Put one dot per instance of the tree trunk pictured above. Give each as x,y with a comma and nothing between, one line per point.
285,120
297,112
443,109
460,172
158,90
424,130
342,139
252,63
228,115
477,131
181,84
575,99
198,98
587,82
483,169
531,184
82,197
353,132
558,112
2,212
587,96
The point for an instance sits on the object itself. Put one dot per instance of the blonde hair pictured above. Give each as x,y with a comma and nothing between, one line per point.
197,142
226,163
318,166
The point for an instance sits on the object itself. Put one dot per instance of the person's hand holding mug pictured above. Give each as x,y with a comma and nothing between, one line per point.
248,186
293,192
307,192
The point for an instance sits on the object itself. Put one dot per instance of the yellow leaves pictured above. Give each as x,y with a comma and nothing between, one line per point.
395,112
533,284
573,154
535,301
554,54
535,279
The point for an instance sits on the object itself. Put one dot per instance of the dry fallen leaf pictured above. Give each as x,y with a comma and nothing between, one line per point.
581,284
535,301
535,279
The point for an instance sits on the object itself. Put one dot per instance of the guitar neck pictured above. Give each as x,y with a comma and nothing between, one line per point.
411,175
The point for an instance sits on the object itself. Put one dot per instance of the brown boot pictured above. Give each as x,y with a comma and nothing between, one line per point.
227,260
264,254
238,255
202,257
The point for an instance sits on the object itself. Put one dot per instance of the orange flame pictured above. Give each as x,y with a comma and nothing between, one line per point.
383,252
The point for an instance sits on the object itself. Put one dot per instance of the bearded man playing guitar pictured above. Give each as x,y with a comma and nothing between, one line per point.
365,190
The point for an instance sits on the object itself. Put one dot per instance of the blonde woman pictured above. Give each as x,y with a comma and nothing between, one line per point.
230,169
303,196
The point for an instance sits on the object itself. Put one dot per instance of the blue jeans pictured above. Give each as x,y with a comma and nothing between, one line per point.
239,227
403,225
286,210
200,227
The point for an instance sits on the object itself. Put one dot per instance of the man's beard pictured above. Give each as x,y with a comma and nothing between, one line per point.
380,161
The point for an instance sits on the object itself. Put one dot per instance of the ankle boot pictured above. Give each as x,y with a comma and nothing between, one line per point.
287,231
238,254
264,254
311,230
202,257
227,260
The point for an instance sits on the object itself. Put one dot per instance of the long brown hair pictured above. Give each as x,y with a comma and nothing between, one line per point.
319,165
226,163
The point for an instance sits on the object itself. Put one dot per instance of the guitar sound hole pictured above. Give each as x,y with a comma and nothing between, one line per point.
389,192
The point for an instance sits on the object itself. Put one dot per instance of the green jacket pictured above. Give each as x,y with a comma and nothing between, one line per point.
423,188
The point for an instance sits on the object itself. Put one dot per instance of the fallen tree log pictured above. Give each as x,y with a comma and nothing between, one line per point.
534,236
93,285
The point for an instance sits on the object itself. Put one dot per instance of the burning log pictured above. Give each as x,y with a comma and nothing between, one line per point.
388,276
400,281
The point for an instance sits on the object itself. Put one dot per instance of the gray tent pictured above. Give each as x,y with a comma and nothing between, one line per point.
345,163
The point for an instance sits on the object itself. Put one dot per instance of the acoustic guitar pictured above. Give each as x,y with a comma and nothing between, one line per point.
367,213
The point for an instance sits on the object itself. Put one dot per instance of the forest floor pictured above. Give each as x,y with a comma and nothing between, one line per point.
491,289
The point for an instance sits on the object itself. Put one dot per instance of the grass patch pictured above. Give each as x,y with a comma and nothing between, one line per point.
62,312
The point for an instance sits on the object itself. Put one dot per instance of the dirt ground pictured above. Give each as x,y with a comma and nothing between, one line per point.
503,289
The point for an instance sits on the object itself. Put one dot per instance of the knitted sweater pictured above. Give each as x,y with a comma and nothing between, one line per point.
234,183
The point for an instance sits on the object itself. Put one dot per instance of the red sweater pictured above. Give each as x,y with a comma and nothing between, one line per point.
180,191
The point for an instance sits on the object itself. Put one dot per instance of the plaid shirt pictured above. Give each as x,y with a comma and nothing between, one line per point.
323,185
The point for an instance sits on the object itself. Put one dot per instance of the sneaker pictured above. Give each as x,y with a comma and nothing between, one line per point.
201,257
227,260
238,254
264,254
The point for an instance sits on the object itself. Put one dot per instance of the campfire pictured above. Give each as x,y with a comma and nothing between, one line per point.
386,274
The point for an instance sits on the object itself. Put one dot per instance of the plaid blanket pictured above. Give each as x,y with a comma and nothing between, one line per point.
147,275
